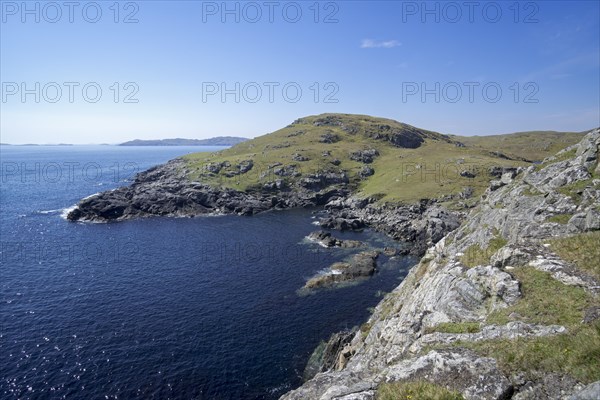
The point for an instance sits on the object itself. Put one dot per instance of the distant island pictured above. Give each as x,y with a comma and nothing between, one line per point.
36,144
216,141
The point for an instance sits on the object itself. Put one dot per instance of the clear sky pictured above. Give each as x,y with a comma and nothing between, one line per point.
435,65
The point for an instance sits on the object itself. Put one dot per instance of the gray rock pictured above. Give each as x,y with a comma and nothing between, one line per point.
511,255
586,221
365,156
475,377
329,138
366,171
361,265
495,185
590,392
288,170
325,239
245,166
299,157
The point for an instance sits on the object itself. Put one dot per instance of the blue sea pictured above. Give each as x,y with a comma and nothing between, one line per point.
158,308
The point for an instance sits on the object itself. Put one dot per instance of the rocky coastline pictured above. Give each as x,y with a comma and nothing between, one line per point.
469,271
429,328
166,191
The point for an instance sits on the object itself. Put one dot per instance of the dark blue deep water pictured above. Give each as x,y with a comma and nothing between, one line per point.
204,308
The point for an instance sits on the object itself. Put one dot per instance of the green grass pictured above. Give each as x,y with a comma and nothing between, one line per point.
560,218
576,353
401,174
530,191
562,157
415,391
474,255
582,249
574,190
545,301
532,145
455,327
364,330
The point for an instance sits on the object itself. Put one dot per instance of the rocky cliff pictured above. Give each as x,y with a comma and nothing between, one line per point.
497,309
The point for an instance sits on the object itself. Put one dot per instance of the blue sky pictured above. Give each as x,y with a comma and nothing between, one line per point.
364,57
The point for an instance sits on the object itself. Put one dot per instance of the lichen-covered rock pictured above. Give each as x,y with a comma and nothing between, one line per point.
475,377
590,392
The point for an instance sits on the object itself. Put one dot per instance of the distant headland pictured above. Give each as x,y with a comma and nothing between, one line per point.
215,141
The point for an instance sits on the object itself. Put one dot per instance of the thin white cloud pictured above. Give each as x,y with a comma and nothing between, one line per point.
372,44
565,68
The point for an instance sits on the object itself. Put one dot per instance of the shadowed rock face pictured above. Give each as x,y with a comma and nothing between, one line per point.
396,346
329,354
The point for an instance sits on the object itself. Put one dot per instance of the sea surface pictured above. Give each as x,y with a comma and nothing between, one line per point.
180,308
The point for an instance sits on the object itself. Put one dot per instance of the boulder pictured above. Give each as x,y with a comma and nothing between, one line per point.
364,156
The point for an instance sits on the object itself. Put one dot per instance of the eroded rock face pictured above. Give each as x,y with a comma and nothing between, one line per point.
441,289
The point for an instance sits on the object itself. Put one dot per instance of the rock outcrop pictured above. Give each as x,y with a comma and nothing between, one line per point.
361,265
325,239
422,224
400,342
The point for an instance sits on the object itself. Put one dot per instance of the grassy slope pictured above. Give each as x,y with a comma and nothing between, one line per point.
532,145
401,174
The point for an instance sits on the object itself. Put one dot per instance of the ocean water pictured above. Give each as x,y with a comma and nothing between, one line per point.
181,308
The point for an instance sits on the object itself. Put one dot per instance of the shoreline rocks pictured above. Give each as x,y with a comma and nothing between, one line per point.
361,265
326,240
165,190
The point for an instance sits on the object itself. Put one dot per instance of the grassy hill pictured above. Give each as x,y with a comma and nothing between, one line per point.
531,145
393,161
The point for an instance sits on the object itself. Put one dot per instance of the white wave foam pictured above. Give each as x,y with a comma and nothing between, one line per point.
50,211
90,196
66,211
